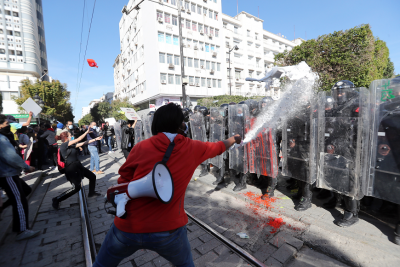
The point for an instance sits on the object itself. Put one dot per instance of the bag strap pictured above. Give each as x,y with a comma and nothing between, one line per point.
168,152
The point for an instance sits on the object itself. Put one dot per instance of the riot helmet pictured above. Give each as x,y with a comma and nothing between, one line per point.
225,107
253,106
340,91
264,102
242,102
186,114
151,113
328,103
196,108
204,111
232,103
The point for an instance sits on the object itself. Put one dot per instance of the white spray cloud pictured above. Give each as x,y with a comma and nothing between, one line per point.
295,94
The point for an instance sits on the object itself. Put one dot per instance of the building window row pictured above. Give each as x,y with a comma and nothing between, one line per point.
193,81
188,43
193,8
188,24
10,13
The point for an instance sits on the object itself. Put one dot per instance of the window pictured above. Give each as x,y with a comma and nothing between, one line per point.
15,14
161,37
170,79
197,80
207,48
196,63
159,15
191,80
208,82
251,73
9,32
205,11
168,38
189,42
201,44
200,27
188,24
167,18
7,12
199,10
161,58
216,33
256,36
202,63
212,31
176,60
248,33
214,83
19,53
187,5
218,66
173,2
163,77
210,14
236,29
190,62
169,59
174,21
184,61
193,7
2,51
11,52
213,65
1,31
176,40
194,26
178,79
237,74
212,48
215,15
206,29
208,65
219,83
258,62
225,25
203,82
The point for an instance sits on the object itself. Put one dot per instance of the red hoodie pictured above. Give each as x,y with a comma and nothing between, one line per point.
149,215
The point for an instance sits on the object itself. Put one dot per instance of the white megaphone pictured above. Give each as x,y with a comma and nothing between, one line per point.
157,184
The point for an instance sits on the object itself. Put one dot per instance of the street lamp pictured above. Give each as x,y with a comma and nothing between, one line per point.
38,100
230,70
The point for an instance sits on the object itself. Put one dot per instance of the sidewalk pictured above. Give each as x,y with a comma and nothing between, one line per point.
365,244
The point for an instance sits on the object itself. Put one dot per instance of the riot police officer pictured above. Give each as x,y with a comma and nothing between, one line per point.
220,122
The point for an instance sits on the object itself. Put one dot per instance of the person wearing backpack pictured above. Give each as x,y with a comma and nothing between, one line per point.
73,168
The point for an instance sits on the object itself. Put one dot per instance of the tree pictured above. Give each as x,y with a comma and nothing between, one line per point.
86,120
116,106
389,71
54,94
353,55
100,111
216,101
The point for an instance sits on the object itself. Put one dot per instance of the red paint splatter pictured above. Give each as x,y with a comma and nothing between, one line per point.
276,224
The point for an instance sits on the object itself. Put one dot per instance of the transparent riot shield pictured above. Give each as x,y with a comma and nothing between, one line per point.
384,171
138,132
147,121
197,127
217,132
238,119
299,144
118,133
343,142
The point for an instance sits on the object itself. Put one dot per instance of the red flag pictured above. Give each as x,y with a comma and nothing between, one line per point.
92,63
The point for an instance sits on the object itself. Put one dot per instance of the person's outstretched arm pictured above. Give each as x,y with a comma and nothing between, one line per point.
77,140
230,141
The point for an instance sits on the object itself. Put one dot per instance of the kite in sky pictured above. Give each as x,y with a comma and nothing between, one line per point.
92,63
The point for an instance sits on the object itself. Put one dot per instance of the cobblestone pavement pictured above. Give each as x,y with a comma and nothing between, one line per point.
275,242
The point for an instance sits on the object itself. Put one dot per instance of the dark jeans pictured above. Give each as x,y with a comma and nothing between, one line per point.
108,142
53,150
75,173
37,158
85,150
118,245
17,190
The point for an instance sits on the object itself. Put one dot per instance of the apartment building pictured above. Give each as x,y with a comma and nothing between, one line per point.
255,53
22,47
148,69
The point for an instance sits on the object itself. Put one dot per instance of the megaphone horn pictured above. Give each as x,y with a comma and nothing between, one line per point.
156,184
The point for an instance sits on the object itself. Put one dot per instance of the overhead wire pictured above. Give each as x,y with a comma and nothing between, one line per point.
84,57
80,50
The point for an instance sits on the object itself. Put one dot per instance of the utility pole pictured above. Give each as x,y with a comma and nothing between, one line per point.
181,54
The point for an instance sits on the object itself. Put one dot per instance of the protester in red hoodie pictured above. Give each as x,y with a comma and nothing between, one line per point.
149,223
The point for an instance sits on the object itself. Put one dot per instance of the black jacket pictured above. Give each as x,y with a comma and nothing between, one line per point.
128,135
49,137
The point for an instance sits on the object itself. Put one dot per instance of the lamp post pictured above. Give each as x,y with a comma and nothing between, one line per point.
230,70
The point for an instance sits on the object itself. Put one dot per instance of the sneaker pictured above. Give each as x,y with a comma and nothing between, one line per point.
27,234
55,204
99,172
94,171
95,194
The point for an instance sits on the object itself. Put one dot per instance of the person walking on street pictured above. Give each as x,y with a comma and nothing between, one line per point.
24,143
50,139
37,150
150,224
99,143
108,134
94,155
11,165
85,148
74,170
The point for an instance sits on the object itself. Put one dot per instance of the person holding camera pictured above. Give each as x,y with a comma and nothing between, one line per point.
150,224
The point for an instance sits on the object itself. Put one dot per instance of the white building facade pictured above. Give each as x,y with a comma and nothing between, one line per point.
22,47
148,70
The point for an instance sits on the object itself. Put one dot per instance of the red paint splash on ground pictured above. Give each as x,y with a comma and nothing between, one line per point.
276,224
